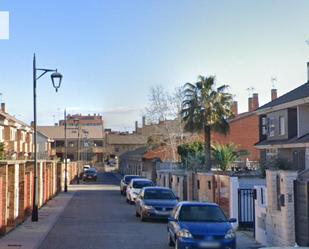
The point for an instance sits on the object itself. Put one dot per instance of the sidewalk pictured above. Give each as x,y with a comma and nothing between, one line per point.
29,235
245,240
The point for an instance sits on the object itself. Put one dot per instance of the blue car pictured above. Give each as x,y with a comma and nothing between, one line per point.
200,225
155,203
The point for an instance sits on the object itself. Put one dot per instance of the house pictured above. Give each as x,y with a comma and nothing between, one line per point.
117,143
84,142
284,146
44,149
244,129
16,135
284,129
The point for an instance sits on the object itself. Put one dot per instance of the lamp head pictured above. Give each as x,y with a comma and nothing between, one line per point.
56,79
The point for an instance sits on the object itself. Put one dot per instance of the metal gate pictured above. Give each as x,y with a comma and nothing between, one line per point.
246,209
301,193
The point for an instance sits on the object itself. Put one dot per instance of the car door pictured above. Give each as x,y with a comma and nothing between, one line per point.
173,226
139,201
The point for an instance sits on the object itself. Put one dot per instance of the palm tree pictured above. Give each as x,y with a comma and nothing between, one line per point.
225,155
208,109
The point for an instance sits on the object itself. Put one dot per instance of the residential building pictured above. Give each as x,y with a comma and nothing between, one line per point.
284,130
44,148
244,129
16,135
83,120
117,143
284,135
84,142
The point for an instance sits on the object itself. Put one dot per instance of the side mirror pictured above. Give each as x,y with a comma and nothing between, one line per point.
177,198
171,219
232,220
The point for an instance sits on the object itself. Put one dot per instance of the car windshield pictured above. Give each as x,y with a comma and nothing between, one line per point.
91,171
142,184
200,213
127,179
159,194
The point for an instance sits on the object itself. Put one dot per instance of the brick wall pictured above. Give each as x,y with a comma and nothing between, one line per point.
16,188
244,132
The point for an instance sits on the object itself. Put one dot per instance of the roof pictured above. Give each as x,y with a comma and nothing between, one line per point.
57,132
298,93
12,118
132,153
165,153
126,139
241,116
293,140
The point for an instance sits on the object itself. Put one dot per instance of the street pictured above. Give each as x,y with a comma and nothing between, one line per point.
99,217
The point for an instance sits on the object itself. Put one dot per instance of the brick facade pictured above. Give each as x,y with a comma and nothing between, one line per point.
244,132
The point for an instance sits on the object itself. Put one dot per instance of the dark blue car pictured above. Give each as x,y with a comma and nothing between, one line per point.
200,225
155,203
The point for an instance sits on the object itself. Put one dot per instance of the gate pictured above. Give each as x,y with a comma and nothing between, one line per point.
301,202
246,209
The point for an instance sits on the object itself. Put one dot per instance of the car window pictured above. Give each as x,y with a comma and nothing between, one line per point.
201,213
141,184
127,179
159,194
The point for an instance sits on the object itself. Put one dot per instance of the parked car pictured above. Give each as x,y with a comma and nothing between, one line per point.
125,181
134,188
200,225
90,174
155,203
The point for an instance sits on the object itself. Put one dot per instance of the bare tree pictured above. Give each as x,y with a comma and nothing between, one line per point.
163,111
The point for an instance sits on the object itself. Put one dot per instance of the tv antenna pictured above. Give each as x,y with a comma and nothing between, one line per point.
1,98
250,90
273,80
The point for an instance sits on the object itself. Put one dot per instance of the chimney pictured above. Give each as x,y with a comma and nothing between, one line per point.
144,121
3,107
273,94
235,108
255,101
136,126
250,105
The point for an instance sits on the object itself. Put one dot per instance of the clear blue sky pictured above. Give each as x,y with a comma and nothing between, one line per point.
111,52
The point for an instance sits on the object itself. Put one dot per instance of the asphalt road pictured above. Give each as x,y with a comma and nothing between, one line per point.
99,217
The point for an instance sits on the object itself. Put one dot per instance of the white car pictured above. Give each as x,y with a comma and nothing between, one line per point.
134,188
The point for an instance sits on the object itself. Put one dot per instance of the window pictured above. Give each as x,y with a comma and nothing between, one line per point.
281,126
271,127
198,184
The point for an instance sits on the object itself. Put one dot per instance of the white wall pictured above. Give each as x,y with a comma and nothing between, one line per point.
234,186
260,215
303,120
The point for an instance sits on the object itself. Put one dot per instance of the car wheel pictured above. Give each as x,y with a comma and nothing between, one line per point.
143,219
176,244
169,240
137,214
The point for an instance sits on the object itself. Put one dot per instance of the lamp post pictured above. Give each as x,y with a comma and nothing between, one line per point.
76,122
56,80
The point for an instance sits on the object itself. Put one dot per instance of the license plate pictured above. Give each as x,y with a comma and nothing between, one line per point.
209,244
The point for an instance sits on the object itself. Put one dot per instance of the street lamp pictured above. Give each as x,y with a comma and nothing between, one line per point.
76,122
56,80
